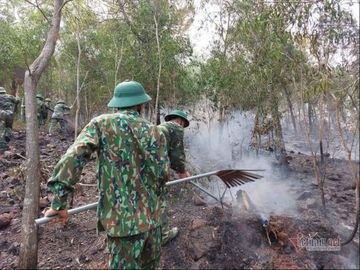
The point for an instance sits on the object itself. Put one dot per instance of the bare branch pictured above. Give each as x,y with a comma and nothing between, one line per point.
67,1
38,7
127,20
40,63
81,87
28,67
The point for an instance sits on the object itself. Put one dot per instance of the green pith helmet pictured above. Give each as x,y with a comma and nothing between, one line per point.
128,94
47,99
175,114
40,96
2,90
60,101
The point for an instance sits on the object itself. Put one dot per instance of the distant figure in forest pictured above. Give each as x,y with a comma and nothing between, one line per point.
173,129
40,104
132,167
48,102
58,118
45,112
7,109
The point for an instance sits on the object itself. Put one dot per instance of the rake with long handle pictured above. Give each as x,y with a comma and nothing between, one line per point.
209,194
231,178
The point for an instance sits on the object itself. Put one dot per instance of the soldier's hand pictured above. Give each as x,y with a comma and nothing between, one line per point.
63,215
184,174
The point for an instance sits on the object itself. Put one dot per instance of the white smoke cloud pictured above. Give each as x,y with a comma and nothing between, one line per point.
215,146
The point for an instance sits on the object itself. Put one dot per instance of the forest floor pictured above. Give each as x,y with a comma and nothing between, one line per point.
210,236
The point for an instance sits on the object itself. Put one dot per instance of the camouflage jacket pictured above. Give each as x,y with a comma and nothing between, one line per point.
40,105
7,105
45,110
175,143
132,167
59,111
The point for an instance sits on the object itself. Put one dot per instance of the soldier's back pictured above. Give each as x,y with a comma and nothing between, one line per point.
59,111
132,162
172,131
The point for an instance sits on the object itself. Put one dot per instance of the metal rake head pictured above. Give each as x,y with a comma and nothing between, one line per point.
233,178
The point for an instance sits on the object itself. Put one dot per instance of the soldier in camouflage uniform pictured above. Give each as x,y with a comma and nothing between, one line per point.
40,109
58,117
48,102
173,129
132,168
7,109
47,108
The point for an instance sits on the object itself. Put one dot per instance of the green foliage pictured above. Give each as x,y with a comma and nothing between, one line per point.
259,50
262,48
111,48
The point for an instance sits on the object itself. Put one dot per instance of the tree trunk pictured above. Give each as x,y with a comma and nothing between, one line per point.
310,116
279,140
291,108
118,63
256,137
77,81
322,168
29,242
353,168
158,122
86,107
157,110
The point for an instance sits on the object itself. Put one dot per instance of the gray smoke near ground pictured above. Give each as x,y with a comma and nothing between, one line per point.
332,143
271,194
215,145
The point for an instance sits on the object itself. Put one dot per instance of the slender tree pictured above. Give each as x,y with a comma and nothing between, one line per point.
157,111
78,62
29,243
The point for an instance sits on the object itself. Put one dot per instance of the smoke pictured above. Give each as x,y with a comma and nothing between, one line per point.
271,194
215,146
332,143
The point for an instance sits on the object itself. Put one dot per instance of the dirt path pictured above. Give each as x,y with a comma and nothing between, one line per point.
210,237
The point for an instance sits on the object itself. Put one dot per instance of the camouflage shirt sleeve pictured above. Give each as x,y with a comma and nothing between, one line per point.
6,107
175,142
68,170
5,114
15,100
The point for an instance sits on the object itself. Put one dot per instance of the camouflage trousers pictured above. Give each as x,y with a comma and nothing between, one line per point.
140,251
41,121
54,126
3,136
8,127
165,228
167,233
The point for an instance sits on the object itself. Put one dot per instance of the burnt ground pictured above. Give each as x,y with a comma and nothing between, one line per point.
210,236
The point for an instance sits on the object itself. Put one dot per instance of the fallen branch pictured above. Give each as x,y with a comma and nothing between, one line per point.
21,156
